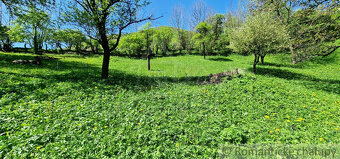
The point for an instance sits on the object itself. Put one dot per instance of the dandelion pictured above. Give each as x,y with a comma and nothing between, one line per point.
95,87
138,123
277,130
79,124
38,147
321,139
266,116
105,126
336,129
270,132
219,111
141,109
299,119
288,121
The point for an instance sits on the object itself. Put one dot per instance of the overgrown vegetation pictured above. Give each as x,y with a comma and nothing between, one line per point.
61,109
57,99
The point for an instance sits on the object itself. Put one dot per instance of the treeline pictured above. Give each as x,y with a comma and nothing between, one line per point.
305,28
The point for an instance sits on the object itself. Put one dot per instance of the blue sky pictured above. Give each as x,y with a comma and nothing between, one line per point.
165,7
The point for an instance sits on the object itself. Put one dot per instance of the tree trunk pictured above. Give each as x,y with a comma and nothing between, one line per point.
204,50
256,60
35,42
59,46
262,60
293,54
105,44
106,59
25,47
149,66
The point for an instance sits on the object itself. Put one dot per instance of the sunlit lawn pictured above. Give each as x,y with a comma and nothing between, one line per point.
63,109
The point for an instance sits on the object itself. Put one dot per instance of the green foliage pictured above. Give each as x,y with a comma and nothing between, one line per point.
314,32
70,38
62,110
17,33
162,39
35,23
5,40
132,44
203,35
260,35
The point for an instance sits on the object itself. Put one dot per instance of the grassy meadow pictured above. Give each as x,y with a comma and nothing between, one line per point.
62,109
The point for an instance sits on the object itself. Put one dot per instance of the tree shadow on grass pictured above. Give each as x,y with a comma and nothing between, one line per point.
21,78
282,65
220,59
328,85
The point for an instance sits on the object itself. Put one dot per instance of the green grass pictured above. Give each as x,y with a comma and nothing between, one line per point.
62,109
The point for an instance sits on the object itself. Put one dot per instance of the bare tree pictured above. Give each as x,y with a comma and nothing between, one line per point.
199,13
177,20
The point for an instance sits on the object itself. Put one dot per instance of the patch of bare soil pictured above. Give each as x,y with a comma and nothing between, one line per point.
34,62
218,78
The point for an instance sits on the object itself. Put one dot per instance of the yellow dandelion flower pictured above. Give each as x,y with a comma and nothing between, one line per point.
336,129
270,132
79,124
219,111
141,109
95,87
105,126
288,121
321,139
38,147
266,116
299,119
277,130
138,123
